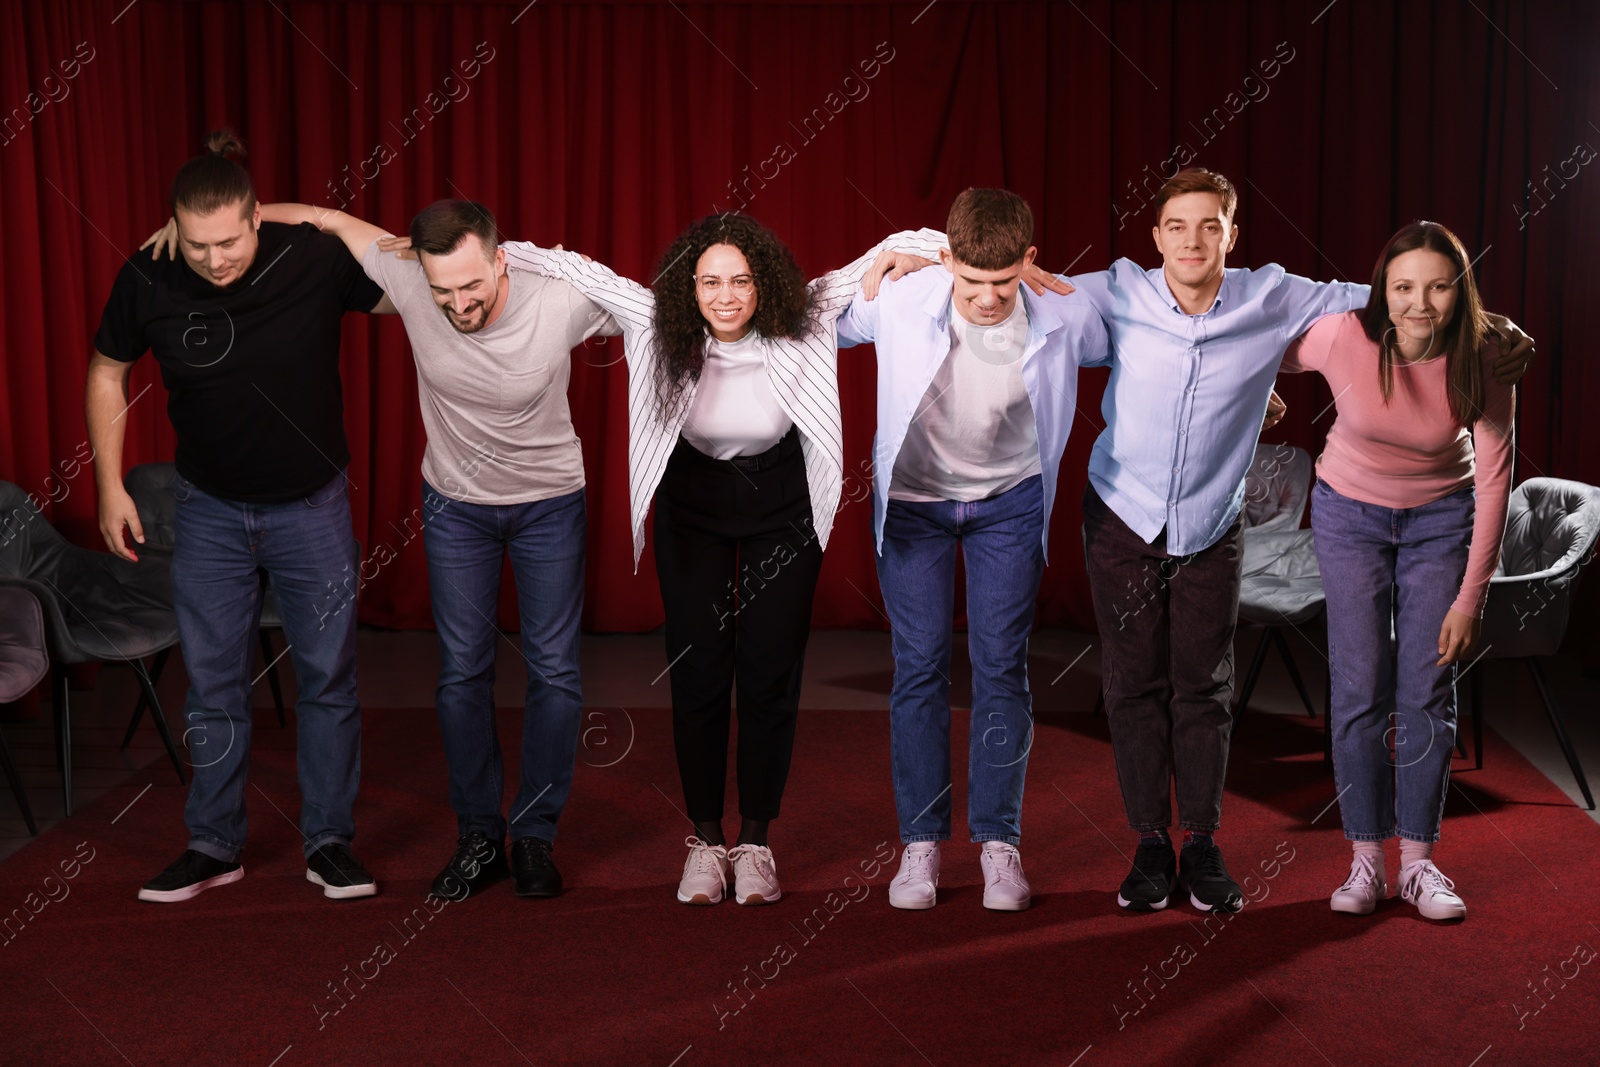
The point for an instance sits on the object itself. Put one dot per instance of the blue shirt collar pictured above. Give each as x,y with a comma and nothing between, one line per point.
1158,278
1042,320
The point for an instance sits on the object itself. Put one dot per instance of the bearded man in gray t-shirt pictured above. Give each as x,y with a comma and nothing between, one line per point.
502,473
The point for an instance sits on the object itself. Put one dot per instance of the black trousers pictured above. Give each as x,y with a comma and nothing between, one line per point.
737,557
1166,632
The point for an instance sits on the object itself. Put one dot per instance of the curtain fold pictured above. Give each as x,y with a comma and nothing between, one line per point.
609,127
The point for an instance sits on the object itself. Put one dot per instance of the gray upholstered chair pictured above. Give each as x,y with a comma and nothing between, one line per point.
97,608
1551,530
150,486
23,664
1281,585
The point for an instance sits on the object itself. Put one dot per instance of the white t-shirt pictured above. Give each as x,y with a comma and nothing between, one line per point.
973,436
734,412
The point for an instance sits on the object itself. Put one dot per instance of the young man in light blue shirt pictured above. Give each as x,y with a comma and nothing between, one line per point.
1194,351
976,388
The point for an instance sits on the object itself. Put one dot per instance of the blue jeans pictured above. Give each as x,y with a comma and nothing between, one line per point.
1391,570
467,545
308,553
999,538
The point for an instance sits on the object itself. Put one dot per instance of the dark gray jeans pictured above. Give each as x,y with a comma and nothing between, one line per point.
1166,633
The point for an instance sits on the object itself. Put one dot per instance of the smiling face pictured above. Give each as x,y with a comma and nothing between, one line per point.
1421,287
469,287
220,246
985,297
725,289
1195,237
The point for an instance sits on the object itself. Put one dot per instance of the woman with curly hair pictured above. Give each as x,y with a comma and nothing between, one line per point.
735,432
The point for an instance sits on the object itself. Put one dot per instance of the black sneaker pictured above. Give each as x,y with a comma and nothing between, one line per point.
335,868
1206,880
190,875
1149,884
536,875
478,862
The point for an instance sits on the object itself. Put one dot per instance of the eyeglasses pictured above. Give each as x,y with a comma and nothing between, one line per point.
743,284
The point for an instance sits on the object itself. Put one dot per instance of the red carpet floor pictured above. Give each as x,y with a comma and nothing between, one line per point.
617,972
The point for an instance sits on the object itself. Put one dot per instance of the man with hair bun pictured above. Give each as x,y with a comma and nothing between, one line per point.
976,388
245,328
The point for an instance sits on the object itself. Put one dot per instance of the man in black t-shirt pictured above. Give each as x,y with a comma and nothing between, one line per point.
245,328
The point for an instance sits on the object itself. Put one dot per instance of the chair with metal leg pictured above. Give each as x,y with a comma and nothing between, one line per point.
1552,527
1281,584
97,608
24,661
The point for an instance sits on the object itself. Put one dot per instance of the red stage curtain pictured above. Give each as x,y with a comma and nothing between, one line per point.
608,127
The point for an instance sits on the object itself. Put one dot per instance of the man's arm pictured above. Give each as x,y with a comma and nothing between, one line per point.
1516,350
357,234
105,403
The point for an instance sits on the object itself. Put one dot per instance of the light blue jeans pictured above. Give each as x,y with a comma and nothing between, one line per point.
1391,571
1000,541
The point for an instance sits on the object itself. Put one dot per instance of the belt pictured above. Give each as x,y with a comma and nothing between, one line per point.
786,448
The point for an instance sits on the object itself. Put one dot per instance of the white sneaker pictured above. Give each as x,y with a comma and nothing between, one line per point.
705,873
916,887
1425,885
1005,887
1363,889
755,875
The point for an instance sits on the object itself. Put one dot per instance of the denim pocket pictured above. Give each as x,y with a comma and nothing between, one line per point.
334,490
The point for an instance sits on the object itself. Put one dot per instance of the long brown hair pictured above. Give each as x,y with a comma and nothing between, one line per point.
1462,340
783,303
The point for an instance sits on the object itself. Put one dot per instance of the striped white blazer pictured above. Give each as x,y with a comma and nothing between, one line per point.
803,373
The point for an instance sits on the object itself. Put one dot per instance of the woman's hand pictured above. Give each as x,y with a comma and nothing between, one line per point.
895,265
165,238
1457,637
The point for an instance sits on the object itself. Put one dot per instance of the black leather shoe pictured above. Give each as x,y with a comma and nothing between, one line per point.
478,862
530,864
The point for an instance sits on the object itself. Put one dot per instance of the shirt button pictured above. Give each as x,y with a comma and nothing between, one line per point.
1177,470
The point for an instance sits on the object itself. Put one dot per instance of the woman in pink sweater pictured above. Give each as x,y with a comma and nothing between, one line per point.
1408,512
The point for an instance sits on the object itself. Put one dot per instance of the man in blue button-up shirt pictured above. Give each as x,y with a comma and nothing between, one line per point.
977,380
1194,350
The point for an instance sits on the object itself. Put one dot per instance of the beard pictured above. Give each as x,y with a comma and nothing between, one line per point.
476,318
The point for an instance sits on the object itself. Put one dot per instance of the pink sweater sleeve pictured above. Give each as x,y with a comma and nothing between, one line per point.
1493,439
1309,352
